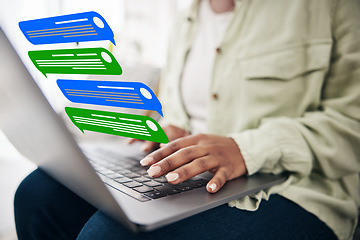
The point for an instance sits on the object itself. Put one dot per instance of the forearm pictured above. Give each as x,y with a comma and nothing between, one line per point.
324,141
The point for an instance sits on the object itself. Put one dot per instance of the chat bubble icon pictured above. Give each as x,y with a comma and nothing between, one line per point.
97,61
111,93
79,27
120,124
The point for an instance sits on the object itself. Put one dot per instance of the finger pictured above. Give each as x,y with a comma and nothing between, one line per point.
132,140
177,159
148,146
192,169
217,181
167,150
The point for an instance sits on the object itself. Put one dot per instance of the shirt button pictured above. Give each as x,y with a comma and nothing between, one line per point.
218,50
189,19
214,96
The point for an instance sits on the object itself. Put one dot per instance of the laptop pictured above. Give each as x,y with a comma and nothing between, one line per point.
108,176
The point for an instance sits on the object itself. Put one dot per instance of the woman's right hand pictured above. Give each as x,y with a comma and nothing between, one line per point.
172,132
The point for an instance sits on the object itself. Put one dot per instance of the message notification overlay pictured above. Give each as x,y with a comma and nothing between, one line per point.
109,93
120,124
98,61
79,27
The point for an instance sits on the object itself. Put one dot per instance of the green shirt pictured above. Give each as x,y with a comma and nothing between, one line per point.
286,88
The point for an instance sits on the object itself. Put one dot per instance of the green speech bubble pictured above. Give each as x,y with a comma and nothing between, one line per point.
120,124
97,61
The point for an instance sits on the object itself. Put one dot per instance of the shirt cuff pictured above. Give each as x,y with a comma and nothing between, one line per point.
258,148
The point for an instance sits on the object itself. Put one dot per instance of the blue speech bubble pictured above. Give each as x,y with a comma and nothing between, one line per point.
111,93
79,27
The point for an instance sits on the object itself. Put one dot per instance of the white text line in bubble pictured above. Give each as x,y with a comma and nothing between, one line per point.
62,55
70,63
87,68
132,120
86,54
67,60
133,132
96,115
74,66
71,21
95,123
126,124
104,94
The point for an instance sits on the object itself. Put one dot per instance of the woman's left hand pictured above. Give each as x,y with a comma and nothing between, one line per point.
189,156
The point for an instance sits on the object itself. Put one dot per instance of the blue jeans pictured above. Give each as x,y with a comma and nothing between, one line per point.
44,209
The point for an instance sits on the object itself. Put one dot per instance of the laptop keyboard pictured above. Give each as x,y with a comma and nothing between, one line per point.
129,177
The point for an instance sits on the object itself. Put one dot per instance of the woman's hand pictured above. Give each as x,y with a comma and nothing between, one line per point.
189,156
171,132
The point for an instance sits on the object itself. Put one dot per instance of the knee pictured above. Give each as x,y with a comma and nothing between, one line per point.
29,200
29,191
44,209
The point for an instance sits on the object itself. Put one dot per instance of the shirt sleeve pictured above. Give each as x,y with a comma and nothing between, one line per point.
327,140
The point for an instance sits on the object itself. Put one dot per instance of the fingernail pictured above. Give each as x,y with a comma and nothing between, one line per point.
162,144
153,170
172,177
212,186
146,161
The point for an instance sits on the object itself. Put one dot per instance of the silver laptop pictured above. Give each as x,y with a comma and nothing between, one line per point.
107,176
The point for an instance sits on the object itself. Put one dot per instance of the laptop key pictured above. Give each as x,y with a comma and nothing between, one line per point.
161,179
167,189
141,179
114,175
201,182
155,194
108,165
141,172
143,189
125,165
105,171
195,184
121,188
117,168
132,184
131,175
99,168
183,186
123,171
152,184
122,180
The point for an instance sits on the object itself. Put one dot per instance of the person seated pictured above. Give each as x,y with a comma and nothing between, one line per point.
249,86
